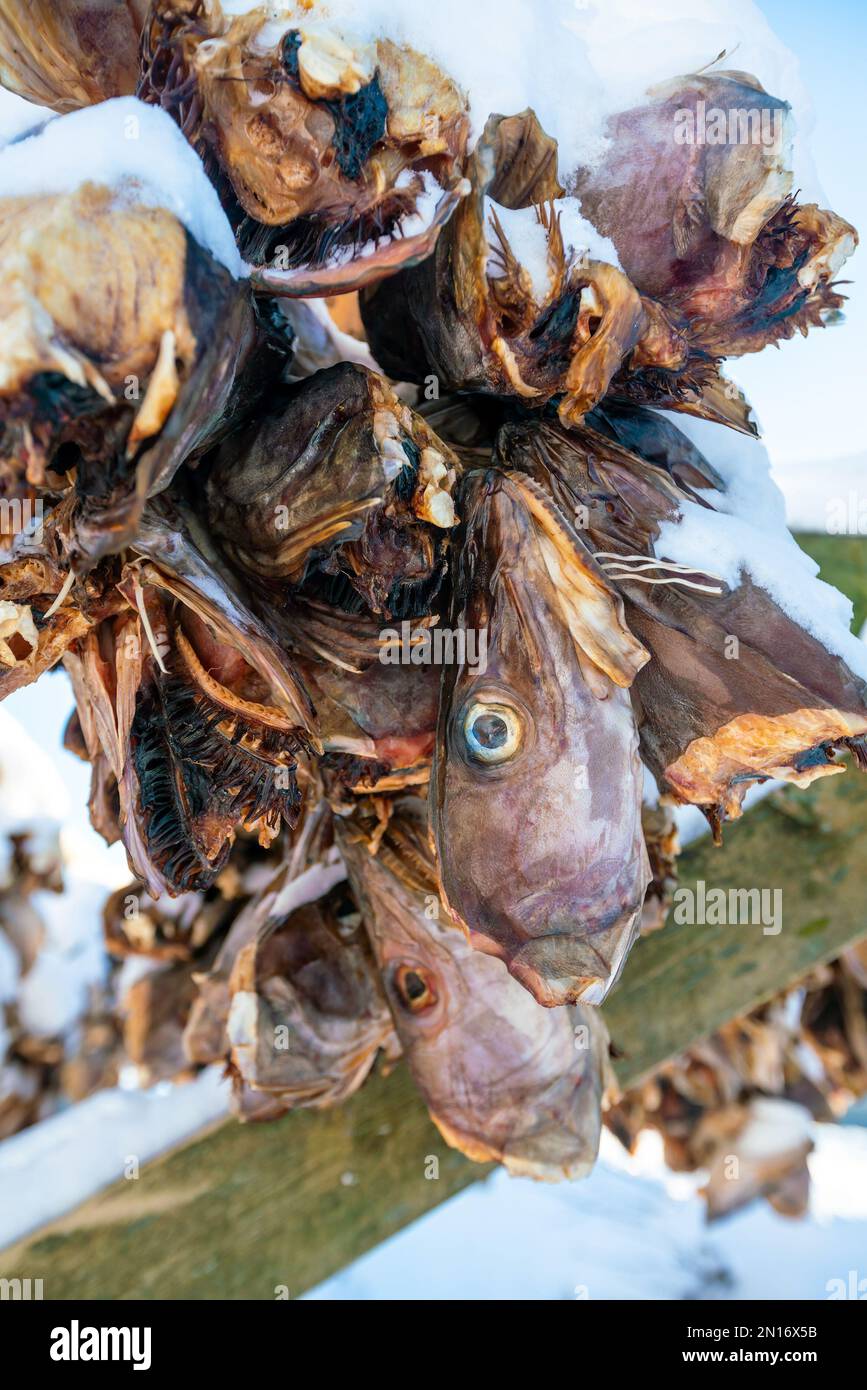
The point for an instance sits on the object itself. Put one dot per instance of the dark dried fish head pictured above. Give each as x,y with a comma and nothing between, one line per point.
339,480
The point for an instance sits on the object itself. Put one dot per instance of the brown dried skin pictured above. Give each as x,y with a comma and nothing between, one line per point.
308,136
43,612
98,1055
204,758
156,1010
662,843
109,381
308,1015
376,696
384,717
709,228
58,248
835,1028
178,930
198,716
70,54
206,1038
538,836
709,725
504,1079
479,326
339,480
183,563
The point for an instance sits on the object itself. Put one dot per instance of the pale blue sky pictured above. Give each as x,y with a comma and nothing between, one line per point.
809,396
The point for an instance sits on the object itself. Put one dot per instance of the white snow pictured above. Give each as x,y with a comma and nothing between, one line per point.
128,145
774,1125
632,1230
581,237
573,61
18,116
528,240
748,532
53,1166
54,993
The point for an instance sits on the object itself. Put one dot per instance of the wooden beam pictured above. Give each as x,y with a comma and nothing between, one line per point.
685,981
247,1211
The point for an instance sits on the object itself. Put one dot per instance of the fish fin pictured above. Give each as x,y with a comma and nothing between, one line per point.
591,608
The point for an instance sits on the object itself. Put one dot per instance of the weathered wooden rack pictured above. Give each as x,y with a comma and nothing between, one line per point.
242,1210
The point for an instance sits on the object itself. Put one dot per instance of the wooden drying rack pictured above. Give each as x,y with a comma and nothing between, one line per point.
241,1211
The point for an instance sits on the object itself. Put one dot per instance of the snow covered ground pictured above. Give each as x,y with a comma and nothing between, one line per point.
630,1230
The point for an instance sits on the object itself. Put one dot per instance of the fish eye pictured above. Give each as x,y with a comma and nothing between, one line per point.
415,988
492,732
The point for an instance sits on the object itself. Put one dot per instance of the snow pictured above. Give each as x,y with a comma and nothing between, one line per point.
632,1230
581,237
528,240
526,237
748,533
54,993
18,116
128,145
574,62
774,1125
53,1166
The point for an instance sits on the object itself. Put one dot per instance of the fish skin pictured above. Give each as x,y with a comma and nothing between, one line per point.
542,858
503,1078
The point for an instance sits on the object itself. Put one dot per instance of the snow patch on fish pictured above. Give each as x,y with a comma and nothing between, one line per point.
746,533
127,145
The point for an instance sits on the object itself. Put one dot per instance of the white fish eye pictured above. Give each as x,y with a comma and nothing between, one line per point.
492,732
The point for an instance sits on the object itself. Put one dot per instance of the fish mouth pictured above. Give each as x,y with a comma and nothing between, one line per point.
546,1153
574,953
352,266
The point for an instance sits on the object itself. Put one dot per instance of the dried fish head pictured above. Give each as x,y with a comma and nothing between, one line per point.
200,717
339,479
307,1015
536,787
109,382
783,709
503,1078
329,147
506,304
695,190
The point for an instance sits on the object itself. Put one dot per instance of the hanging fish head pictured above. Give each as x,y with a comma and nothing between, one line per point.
536,791
503,1078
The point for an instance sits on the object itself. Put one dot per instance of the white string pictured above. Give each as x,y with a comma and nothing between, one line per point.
672,580
634,568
